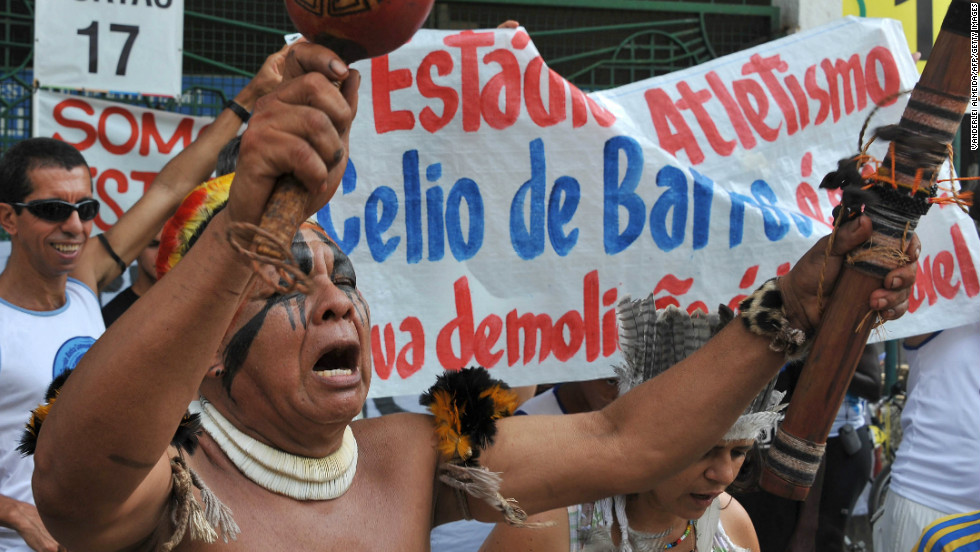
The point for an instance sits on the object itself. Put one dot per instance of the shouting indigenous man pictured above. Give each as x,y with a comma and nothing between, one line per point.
280,378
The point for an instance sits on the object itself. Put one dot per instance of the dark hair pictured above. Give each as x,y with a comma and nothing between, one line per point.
747,479
228,157
31,154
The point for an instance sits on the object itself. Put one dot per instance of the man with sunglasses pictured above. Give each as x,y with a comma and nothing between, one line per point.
49,308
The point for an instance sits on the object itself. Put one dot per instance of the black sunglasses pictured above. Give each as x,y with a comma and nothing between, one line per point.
57,210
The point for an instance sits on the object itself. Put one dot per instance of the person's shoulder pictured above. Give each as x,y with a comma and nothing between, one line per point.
398,447
737,523
398,428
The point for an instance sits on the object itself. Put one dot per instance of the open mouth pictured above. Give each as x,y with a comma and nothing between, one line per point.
341,361
704,497
67,248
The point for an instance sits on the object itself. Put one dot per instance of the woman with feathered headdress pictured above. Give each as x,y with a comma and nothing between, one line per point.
691,510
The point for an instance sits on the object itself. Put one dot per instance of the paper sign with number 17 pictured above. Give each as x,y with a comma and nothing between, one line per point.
120,47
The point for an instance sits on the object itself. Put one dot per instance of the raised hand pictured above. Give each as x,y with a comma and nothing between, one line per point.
301,128
816,272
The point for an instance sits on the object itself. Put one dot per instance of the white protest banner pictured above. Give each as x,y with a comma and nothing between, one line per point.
496,214
132,47
124,145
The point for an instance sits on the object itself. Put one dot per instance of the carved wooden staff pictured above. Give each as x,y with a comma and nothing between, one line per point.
354,30
919,143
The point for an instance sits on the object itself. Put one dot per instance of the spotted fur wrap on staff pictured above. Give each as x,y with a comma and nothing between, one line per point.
762,313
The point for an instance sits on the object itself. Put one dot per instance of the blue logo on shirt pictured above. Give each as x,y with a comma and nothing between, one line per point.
70,353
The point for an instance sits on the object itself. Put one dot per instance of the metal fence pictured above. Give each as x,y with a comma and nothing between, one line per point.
606,44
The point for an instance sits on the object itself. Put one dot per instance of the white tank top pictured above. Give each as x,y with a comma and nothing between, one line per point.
35,347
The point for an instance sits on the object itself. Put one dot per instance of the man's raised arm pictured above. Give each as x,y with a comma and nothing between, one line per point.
118,412
187,169
668,422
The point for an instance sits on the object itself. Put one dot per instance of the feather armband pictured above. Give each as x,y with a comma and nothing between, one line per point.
187,517
466,405
185,438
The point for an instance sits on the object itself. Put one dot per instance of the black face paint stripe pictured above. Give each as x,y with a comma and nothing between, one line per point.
301,303
320,234
238,346
342,265
289,316
302,254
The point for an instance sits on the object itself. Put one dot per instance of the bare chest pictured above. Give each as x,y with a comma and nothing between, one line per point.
384,509
273,531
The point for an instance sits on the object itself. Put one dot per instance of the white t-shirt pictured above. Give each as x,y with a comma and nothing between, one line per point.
546,403
35,347
938,461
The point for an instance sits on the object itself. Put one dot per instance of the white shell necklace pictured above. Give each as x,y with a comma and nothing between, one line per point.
294,476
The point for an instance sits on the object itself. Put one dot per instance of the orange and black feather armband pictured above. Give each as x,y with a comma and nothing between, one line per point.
466,405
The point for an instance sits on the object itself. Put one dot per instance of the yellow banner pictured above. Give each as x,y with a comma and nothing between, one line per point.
921,19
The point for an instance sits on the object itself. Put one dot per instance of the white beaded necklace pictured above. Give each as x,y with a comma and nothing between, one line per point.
294,476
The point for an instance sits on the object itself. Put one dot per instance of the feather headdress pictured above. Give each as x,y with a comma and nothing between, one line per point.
653,340
192,217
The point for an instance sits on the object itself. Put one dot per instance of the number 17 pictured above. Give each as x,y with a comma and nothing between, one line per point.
92,32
